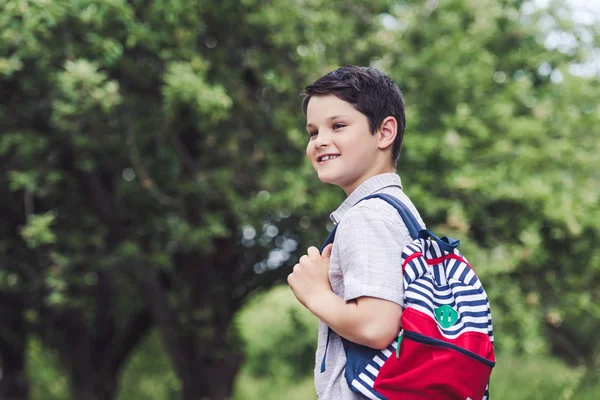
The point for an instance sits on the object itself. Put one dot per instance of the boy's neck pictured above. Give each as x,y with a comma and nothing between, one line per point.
388,170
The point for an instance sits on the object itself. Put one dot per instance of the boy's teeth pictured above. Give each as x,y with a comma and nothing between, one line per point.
325,158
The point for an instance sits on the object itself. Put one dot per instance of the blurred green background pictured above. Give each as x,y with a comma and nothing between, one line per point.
154,192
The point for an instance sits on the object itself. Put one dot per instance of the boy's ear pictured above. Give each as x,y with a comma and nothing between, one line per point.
387,132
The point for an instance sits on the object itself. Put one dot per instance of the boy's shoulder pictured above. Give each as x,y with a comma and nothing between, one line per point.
372,212
372,226
377,214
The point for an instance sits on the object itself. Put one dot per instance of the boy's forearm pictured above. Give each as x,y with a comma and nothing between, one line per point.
348,320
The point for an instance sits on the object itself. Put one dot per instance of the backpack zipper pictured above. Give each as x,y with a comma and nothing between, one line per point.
399,341
417,337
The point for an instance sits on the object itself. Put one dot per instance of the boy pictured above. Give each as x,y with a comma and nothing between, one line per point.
355,122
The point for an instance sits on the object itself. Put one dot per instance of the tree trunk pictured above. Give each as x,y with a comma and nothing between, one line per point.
93,386
202,357
209,379
14,383
94,357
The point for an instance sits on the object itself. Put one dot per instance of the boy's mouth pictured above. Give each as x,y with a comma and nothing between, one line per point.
327,157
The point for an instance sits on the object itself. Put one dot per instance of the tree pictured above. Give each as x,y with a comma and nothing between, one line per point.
501,150
151,141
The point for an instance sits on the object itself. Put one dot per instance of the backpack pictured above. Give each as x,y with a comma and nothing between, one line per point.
445,347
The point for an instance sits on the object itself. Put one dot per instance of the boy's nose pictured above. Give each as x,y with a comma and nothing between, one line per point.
322,139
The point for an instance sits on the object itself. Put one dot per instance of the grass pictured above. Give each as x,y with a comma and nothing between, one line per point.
514,378
148,376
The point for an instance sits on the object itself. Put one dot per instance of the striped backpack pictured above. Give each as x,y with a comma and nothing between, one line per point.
445,347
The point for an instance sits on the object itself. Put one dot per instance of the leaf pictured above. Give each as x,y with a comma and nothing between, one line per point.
38,230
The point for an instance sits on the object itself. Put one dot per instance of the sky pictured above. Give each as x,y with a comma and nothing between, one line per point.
587,14
585,11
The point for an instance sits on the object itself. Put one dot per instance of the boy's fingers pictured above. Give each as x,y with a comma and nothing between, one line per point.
313,252
327,251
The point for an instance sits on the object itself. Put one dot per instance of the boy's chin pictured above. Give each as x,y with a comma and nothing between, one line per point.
325,178
329,179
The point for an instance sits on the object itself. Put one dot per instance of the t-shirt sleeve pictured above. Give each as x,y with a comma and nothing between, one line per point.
370,251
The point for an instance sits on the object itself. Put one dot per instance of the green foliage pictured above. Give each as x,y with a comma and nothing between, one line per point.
186,87
538,378
81,89
148,374
48,380
279,337
38,230
285,348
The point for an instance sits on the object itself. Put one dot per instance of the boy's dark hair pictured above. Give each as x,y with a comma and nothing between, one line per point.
369,90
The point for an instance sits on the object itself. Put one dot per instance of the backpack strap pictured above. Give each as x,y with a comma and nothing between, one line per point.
414,227
329,239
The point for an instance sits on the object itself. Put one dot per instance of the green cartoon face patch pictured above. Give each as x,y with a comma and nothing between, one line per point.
446,316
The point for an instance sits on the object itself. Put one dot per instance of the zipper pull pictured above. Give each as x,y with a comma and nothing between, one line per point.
399,341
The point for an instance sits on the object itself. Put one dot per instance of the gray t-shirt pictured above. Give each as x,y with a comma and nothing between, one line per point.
366,260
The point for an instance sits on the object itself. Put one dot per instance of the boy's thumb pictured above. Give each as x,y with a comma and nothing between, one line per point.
327,251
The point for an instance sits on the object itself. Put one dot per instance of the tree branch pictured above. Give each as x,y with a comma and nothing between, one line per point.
99,199
135,331
104,321
186,158
145,179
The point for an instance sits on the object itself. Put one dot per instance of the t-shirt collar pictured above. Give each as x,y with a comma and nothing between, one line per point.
370,186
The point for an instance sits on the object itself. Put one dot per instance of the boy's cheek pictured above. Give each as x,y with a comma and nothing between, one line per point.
311,158
309,154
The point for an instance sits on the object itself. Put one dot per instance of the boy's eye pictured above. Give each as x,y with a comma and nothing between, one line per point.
338,126
313,133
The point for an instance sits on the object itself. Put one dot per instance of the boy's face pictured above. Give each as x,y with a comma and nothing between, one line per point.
341,147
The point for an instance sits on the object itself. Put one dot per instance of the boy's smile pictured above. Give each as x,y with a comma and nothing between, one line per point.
322,159
341,147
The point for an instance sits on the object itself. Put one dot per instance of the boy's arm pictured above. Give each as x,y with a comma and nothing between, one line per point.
368,321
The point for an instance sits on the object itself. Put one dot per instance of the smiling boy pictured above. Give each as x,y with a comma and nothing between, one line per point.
355,123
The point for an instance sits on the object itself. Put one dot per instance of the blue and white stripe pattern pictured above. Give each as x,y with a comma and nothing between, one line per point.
451,282
364,381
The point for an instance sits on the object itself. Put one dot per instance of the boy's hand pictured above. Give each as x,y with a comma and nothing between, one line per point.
310,276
